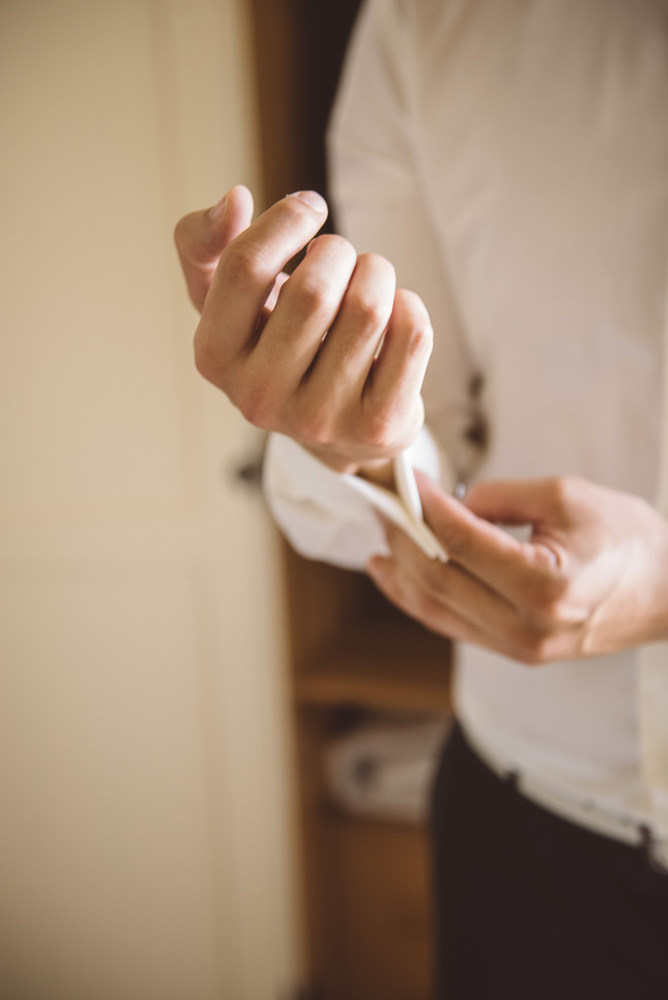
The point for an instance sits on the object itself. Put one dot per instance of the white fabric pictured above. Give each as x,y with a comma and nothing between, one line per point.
384,768
331,516
511,159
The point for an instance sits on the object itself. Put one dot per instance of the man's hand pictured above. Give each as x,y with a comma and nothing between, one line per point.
593,578
300,354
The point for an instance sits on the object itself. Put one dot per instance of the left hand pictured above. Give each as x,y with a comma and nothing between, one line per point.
593,578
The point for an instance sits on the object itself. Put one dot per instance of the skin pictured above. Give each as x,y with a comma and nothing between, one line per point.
592,579
299,355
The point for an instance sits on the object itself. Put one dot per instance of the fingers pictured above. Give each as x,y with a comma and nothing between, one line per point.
201,237
379,389
530,501
449,600
397,588
313,354
509,635
407,346
560,596
395,381
517,570
454,589
246,273
378,416
354,339
332,355
305,310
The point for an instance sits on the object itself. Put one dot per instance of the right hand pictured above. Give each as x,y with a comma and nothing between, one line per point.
297,354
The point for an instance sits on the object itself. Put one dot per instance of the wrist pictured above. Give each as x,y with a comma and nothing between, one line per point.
379,471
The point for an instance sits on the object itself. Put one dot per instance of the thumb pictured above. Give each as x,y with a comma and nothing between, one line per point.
201,237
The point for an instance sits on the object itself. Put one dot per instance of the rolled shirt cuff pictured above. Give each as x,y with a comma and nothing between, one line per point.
334,517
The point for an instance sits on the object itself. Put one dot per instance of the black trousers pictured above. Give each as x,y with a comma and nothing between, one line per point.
531,907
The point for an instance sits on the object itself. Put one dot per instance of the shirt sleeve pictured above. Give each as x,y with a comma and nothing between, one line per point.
384,202
333,517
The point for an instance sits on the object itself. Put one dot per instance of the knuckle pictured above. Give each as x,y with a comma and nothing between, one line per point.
564,490
312,423
377,429
243,263
555,611
532,654
434,582
535,599
207,354
418,331
420,341
313,294
547,604
257,406
423,608
459,543
530,648
298,211
310,294
414,422
367,311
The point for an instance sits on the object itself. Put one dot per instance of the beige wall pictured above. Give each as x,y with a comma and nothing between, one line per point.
145,847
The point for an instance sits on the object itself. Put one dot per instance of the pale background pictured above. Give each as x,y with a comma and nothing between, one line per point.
146,848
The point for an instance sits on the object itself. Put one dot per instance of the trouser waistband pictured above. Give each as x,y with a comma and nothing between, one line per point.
583,812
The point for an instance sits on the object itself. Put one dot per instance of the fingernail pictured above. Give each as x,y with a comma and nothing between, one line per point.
218,211
311,198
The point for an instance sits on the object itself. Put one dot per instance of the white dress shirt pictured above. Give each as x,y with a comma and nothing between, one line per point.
510,157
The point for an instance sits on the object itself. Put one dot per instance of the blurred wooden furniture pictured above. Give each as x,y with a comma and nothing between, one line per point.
367,903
